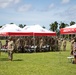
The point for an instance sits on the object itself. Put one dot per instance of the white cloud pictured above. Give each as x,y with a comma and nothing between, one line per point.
65,1
6,3
25,8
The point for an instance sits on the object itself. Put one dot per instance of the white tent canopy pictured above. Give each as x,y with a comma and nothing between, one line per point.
37,30
34,30
10,28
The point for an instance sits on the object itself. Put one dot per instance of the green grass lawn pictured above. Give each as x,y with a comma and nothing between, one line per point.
47,63
3,42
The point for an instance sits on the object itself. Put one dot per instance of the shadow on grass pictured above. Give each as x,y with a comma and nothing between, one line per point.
18,60
6,59
3,59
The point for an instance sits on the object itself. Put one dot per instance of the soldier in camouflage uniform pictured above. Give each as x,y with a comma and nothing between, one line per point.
59,44
64,45
10,48
0,47
56,44
72,42
52,44
20,45
17,44
41,43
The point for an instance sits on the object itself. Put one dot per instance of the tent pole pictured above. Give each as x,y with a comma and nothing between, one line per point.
34,42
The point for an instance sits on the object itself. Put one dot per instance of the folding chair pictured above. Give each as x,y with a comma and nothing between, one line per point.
70,58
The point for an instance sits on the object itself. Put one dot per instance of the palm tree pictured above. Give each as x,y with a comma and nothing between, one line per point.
0,26
22,26
54,26
11,23
72,23
43,27
62,25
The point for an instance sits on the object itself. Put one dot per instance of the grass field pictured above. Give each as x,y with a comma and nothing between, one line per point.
47,63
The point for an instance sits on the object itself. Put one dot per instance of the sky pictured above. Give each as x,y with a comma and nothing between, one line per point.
42,12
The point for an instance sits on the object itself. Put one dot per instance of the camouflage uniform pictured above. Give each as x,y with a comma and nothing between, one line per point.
74,51
64,44
56,44
0,47
17,44
59,44
52,44
41,43
72,42
10,49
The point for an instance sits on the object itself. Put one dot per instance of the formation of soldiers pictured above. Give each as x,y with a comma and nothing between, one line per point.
37,44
